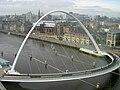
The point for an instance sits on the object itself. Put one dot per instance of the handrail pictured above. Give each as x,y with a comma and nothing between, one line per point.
66,74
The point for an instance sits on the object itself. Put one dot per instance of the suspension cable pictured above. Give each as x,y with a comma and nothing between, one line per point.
88,83
69,58
78,58
38,67
116,73
51,57
29,66
48,64
61,59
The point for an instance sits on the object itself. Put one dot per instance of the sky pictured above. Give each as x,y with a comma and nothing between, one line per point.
109,8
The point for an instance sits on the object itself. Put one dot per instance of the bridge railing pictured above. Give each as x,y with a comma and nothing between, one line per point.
114,62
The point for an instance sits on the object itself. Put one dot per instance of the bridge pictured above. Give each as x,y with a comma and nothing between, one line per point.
113,65
12,76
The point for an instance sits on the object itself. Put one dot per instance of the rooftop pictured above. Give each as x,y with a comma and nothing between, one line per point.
114,31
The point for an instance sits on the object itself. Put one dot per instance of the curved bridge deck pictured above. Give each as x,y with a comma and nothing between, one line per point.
13,76
115,64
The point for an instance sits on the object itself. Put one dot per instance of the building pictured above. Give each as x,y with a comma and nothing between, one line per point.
29,16
81,17
15,26
49,28
39,15
59,28
72,38
1,25
113,38
82,39
46,27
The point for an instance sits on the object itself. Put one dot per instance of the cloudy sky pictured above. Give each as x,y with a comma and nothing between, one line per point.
92,7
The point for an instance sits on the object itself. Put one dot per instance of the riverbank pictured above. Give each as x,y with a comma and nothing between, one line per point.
52,39
44,38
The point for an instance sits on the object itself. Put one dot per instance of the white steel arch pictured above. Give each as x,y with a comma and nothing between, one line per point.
12,71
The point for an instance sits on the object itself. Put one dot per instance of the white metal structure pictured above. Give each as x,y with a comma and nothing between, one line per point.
65,76
12,71
13,76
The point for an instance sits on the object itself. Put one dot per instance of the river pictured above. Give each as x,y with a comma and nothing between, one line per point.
41,50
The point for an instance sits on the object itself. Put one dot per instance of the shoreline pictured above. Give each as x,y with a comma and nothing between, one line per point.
53,40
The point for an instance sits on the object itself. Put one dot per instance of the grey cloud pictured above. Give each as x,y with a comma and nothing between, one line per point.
20,6
97,10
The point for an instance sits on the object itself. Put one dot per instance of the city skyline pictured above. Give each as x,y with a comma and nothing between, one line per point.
91,7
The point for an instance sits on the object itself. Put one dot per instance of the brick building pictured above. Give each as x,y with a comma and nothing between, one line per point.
113,38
